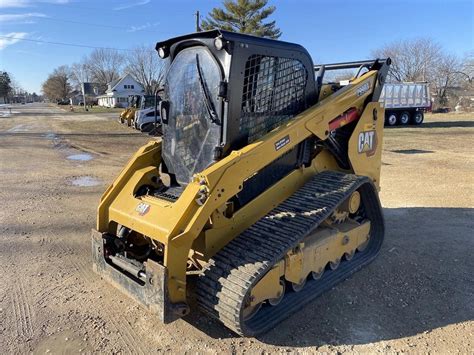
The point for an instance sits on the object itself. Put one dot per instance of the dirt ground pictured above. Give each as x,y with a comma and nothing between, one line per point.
418,296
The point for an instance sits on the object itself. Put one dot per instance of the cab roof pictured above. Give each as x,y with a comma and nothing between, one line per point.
232,37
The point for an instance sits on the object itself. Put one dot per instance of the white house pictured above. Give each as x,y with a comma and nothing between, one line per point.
118,91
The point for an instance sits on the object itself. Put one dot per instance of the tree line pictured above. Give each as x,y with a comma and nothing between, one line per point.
103,66
11,91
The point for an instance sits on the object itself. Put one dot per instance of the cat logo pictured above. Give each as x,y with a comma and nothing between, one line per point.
367,142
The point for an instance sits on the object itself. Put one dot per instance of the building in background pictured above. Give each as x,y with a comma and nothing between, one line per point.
88,90
76,97
118,91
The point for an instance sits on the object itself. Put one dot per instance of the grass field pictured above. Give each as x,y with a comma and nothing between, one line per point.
94,109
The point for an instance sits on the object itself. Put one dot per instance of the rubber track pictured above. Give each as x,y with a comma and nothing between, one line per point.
237,267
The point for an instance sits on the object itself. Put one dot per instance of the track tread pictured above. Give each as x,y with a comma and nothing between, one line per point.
230,274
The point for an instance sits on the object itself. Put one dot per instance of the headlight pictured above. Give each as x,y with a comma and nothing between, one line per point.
218,43
162,52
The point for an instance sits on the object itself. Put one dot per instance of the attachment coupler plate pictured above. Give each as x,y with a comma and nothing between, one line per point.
152,293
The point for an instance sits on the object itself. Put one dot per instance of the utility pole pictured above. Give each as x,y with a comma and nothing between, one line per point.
198,27
84,96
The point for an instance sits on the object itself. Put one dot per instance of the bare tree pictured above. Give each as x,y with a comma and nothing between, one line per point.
144,65
411,60
422,60
468,67
16,86
105,65
444,77
80,73
466,82
57,86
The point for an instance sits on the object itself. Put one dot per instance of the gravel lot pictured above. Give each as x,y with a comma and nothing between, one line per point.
418,296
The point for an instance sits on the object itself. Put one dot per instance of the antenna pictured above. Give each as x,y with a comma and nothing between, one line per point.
198,27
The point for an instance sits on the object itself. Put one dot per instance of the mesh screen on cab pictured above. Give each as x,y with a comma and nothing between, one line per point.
274,92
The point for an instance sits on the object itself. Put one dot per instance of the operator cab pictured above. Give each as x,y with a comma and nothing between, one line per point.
224,90
147,102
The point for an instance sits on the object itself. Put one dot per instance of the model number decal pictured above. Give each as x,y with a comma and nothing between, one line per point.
142,208
367,142
282,142
363,89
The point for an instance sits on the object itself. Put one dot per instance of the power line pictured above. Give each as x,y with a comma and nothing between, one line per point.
72,5
82,23
107,10
128,29
64,44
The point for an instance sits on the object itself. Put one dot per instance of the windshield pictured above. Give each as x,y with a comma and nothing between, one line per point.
148,102
193,129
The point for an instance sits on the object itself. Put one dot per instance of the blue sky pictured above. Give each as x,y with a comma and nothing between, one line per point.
331,30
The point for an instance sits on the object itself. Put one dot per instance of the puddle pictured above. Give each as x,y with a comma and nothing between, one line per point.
62,343
80,157
86,181
71,152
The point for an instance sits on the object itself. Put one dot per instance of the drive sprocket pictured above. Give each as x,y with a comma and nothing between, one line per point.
338,216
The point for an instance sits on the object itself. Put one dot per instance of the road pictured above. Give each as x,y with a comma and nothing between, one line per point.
416,297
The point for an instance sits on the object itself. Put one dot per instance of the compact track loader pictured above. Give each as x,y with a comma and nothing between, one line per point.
263,191
127,115
144,119
124,112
